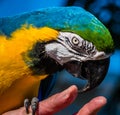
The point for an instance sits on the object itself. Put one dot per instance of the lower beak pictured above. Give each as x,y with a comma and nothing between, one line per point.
93,71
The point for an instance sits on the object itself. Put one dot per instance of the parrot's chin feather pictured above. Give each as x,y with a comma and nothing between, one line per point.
93,71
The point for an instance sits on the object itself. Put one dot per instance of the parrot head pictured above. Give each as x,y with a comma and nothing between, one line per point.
80,58
82,46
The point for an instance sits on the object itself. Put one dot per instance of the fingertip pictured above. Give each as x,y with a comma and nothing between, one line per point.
73,88
92,107
100,100
70,93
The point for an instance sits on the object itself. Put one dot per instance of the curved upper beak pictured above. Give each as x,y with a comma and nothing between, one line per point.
93,71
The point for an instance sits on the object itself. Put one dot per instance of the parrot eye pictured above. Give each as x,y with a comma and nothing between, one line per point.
75,41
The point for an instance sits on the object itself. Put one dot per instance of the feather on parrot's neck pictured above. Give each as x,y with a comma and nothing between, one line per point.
23,40
12,48
20,47
14,71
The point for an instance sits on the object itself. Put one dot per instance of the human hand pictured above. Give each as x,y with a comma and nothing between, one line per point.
61,100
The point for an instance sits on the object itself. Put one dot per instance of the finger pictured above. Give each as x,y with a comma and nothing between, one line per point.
57,101
51,105
92,107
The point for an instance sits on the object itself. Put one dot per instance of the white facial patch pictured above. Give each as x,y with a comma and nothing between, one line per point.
59,53
71,47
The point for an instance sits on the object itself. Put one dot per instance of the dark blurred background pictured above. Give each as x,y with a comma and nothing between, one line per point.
108,12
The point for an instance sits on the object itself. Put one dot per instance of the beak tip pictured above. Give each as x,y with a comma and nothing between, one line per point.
97,74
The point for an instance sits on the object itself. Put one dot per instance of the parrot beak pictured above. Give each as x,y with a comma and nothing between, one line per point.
93,71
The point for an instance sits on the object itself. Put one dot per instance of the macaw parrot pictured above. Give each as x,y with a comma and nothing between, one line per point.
35,45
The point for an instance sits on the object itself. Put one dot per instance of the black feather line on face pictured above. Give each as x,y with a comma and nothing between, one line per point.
41,62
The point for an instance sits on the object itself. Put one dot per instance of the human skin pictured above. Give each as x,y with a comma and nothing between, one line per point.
61,100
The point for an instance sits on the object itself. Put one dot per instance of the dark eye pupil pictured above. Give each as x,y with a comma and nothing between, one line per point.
75,41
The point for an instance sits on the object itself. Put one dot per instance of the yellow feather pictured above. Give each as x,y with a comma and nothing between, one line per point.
15,75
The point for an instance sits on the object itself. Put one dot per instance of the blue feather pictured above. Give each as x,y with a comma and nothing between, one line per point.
56,17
